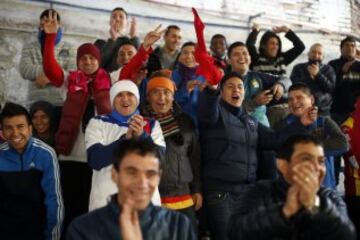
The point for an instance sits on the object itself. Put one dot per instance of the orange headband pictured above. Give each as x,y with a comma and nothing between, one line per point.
160,82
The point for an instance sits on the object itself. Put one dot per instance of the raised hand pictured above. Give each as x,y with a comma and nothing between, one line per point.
307,179
133,27
292,204
255,27
279,29
51,24
136,126
129,222
278,91
309,116
264,97
313,70
192,84
152,37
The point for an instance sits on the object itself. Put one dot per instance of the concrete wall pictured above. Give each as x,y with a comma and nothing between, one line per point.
84,21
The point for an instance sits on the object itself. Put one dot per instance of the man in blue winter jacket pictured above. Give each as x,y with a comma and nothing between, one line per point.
30,201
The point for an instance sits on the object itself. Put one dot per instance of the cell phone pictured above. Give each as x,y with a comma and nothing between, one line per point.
271,92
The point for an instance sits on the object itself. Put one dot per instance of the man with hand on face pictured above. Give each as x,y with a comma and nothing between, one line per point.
105,132
319,77
302,106
130,215
180,187
230,141
31,205
118,28
295,206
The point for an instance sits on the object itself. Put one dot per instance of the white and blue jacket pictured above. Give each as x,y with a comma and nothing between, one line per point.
102,134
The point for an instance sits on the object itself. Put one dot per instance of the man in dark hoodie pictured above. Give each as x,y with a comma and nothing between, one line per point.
271,59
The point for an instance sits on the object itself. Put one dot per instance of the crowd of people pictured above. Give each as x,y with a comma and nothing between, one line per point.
125,140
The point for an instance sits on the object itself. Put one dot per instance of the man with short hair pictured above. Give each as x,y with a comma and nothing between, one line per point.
218,46
319,77
31,67
118,35
164,57
301,103
295,206
130,215
30,201
180,187
347,70
230,142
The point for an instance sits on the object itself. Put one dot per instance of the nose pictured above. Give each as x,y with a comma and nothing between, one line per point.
142,181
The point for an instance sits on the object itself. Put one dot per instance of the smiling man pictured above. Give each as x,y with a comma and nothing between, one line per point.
29,181
302,103
164,57
104,132
294,206
130,215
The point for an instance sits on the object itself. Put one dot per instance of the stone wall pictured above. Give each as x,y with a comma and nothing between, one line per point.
84,21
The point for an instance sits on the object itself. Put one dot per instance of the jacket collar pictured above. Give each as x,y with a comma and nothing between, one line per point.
145,216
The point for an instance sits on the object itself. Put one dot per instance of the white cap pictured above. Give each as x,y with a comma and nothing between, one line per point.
124,86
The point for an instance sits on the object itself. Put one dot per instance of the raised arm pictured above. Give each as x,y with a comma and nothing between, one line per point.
298,46
207,67
137,62
52,69
250,43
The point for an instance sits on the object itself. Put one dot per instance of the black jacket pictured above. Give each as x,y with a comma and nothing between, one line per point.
181,166
109,51
154,62
156,223
230,140
263,218
346,88
321,87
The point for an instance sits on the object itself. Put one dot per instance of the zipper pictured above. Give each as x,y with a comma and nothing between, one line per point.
22,162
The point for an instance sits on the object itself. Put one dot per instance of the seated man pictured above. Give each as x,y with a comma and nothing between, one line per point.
30,200
301,103
318,76
130,215
295,206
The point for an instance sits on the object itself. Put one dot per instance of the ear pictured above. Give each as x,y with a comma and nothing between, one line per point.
312,99
114,175
31,130
282,165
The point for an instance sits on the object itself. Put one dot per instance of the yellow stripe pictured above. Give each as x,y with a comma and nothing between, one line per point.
179,205
348,123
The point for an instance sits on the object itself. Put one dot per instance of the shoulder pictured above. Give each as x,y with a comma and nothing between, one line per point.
169,216
89,222
42,148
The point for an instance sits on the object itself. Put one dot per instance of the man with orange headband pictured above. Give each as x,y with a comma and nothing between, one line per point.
180,182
